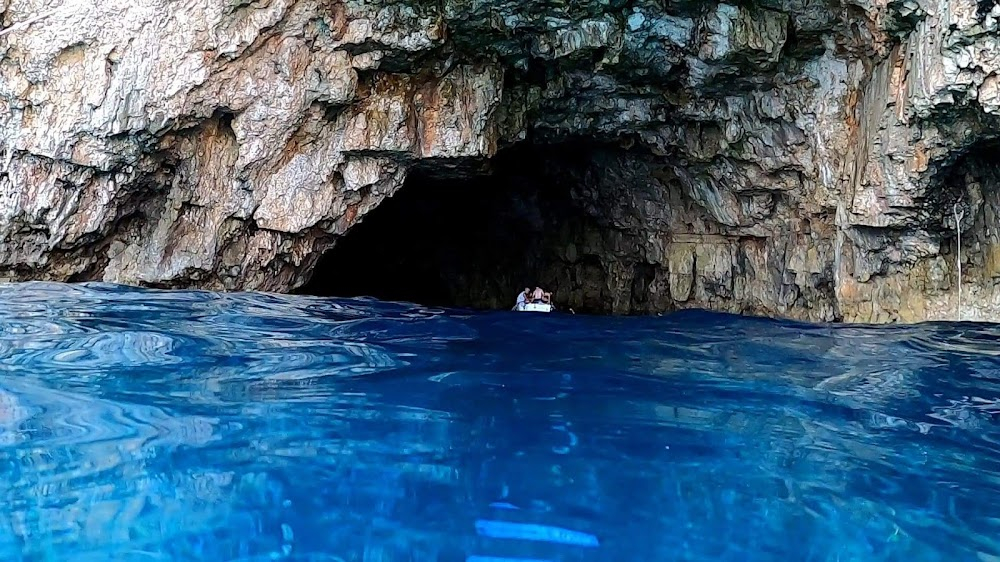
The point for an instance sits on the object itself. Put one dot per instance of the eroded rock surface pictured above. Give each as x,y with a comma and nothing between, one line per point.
797,158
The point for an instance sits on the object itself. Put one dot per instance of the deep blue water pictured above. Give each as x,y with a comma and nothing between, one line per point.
145,425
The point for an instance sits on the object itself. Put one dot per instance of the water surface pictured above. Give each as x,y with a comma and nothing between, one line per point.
146,425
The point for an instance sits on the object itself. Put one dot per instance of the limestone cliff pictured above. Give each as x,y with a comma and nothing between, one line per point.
797,158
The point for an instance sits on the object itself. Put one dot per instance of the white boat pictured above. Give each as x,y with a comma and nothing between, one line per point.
534,307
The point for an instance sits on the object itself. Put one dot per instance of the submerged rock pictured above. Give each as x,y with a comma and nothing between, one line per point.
797,158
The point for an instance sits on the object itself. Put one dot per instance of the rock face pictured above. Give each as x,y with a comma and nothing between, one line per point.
795,158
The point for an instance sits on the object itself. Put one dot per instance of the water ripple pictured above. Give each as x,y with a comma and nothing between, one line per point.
152,425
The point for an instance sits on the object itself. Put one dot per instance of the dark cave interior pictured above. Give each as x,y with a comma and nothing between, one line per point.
474,242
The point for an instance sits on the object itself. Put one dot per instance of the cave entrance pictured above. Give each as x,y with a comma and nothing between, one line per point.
475,241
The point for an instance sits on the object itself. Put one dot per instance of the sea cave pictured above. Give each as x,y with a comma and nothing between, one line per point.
534,215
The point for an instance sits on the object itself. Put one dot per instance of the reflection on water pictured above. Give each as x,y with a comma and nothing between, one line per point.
146,425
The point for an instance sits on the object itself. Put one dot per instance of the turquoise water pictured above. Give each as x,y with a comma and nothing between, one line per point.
144,425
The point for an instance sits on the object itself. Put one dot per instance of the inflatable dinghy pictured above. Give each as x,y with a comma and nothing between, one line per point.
535,307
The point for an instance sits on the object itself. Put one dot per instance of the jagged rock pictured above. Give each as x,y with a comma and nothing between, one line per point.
798,158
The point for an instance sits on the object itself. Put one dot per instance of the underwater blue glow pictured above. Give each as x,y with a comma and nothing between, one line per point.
165,426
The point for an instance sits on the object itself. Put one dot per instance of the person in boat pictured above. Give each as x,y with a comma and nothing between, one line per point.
522,298
540,296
